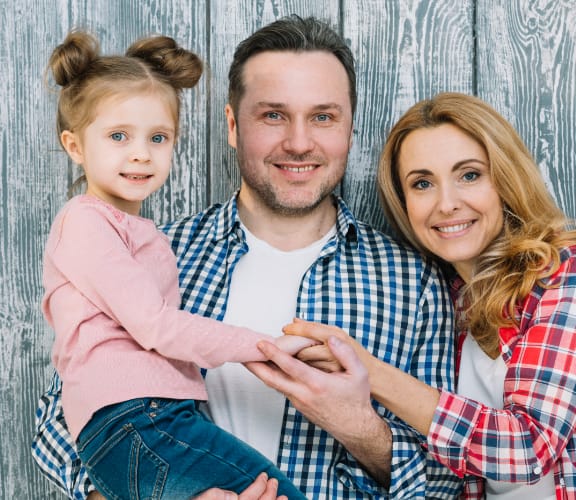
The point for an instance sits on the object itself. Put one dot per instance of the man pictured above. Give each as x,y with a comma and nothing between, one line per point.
285,246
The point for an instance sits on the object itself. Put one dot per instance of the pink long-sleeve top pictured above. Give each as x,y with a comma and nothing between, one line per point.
112,298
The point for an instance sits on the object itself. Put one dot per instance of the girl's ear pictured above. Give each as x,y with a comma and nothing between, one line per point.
71,143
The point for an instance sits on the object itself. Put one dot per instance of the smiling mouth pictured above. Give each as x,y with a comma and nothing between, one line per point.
453,229
136,177
298,170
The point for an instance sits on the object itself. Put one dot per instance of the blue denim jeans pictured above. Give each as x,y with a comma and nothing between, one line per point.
167,449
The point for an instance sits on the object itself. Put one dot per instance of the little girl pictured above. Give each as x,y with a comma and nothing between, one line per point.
128,357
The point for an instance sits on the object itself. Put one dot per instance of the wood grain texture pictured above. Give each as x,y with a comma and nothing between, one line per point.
405,51
527,70
522,61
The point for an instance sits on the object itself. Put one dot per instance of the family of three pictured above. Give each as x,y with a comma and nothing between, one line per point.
375,392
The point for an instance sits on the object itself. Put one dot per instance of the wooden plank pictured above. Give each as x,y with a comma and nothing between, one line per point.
34,179
232,21
527,71
30,186
406,51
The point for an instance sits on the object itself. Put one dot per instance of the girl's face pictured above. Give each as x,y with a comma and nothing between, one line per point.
126,151
453,207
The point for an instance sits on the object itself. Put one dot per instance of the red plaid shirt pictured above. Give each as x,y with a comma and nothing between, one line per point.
534,433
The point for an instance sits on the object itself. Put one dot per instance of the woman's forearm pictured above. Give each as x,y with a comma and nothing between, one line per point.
404,395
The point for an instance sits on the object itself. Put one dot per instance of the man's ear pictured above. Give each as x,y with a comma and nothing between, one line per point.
71,144
232,125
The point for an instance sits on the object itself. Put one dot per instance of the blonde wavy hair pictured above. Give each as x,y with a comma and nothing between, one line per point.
535,230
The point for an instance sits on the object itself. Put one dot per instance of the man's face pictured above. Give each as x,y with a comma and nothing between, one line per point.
293,130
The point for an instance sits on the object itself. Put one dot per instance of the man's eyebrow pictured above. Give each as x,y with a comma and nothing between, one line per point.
270,104
328,105
281,105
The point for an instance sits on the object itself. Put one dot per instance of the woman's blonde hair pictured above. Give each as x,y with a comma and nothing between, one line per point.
535,229
86,78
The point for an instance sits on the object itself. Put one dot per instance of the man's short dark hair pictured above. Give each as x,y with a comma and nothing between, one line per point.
291,33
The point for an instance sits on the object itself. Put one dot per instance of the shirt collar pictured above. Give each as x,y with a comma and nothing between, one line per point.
228,221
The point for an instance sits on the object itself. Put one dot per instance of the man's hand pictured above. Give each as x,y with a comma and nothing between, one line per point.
261,489
95,496
338,402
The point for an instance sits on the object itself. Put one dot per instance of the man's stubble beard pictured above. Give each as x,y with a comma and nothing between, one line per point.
268,196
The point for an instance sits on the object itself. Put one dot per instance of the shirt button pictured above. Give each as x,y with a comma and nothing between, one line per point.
505,349
537,470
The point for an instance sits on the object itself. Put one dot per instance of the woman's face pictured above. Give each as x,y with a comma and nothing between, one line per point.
452,205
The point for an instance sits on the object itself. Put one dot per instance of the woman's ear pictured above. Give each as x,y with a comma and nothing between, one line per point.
71,143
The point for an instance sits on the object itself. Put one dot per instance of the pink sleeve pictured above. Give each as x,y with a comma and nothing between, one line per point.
93,256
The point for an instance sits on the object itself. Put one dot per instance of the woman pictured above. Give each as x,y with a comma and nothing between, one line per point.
458,184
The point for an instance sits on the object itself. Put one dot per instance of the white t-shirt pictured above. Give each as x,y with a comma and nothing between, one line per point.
263,294
481,378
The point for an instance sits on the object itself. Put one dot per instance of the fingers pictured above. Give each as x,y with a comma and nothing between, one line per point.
284,374
320,357
285,362
346,356
95,496
317,331
212,494
271,490
261,489
293,344
326,366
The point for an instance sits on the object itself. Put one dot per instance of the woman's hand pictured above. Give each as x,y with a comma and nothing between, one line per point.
320,356
388,384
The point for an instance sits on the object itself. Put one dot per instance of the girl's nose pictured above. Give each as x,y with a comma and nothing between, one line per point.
140,152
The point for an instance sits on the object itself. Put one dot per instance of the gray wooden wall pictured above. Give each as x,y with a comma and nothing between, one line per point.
519,55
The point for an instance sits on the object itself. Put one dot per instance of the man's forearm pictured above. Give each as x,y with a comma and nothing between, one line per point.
371,445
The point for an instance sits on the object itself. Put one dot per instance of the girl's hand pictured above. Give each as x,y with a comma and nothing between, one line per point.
293,344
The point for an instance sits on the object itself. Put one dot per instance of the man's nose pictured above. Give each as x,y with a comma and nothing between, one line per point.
299,137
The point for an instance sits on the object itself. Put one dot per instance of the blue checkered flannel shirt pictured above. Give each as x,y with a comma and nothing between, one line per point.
384,295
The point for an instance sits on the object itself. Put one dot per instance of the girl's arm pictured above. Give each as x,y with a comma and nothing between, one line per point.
92,252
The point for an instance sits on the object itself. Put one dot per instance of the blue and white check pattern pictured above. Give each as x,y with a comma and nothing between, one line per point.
384,295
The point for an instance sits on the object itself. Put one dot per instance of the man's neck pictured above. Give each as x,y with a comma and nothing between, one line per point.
286,232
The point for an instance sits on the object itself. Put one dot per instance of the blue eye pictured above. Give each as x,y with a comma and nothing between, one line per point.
158,138
421,184
471,176
323,118
118,136
273,115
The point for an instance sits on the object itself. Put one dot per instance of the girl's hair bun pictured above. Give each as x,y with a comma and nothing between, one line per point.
73,58
181,67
